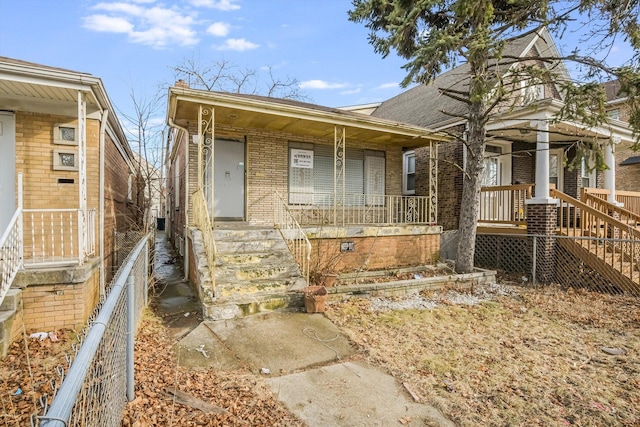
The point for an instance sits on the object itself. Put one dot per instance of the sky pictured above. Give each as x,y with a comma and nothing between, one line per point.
132,44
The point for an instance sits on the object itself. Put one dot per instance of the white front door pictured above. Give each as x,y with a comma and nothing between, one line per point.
228,179
8,169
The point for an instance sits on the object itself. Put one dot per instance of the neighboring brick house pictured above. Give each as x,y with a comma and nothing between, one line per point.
627,159
518,138
66,184
339,175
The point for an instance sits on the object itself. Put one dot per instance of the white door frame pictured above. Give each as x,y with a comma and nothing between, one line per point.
8,169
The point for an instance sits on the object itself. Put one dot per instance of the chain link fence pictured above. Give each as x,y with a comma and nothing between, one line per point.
99,379
596,264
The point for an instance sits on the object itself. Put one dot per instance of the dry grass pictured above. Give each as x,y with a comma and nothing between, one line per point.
533,358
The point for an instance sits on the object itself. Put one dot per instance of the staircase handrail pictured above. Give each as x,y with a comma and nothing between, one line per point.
297,240
605,207
202,220
10,253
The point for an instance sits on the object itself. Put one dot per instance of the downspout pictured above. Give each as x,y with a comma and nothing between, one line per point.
103,126
186,195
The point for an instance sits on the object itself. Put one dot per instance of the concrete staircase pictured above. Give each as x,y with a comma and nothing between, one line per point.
254,272
9,311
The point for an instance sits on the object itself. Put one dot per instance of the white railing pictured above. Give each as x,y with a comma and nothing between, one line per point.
359,209
57,236
10,253
298,243
504,204
202,220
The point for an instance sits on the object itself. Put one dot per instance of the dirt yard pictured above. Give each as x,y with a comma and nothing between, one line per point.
497,355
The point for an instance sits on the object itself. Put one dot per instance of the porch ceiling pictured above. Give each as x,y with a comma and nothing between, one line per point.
248,111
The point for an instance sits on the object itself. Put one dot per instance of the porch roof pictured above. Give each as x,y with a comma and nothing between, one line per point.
259,112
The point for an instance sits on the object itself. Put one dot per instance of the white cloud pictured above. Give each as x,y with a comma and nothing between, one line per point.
350,92
392,85
321,84
108,24
219,29
224,5
154,26
238,44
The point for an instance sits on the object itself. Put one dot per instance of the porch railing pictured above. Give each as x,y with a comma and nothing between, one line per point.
601,204
204,222
629,199
10,253
504,204
296,239
581,220
360,209
55,236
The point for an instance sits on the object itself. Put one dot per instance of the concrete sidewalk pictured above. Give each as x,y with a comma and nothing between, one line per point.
307,362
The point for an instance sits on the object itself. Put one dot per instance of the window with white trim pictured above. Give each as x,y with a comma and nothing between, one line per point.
587,177
491,172
409,172
65,134
130,188
311,175
531,90
614,114
65,159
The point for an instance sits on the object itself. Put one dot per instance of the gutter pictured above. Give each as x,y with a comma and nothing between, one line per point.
103,125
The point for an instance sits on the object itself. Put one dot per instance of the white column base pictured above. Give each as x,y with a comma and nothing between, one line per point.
541,201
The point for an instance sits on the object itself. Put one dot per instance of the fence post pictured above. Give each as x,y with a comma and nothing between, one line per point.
534,259
131,330
147,248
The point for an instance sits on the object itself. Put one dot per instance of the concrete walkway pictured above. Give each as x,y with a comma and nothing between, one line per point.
305,358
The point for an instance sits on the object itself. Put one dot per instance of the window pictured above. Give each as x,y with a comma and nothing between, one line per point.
311,175
587,176
409,172
491,171
65,134
531,90
65,160
130,188
614,114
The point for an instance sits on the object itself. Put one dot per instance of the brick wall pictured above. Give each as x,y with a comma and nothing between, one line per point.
374,253
522,163
55,306
267,168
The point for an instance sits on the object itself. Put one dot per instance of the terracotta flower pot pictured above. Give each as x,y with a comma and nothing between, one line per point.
329,279
315,298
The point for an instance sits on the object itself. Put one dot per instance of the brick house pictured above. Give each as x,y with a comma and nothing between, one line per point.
66,184
523,146
329,180
627,160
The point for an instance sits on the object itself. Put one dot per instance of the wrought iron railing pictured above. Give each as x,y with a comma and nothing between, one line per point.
10,253
296,239
57,236
504,204
203,221
359,209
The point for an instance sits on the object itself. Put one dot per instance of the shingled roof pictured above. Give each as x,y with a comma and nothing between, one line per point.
425,105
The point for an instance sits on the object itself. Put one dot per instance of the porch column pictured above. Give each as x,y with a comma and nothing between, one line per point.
339,153
542,162
610,174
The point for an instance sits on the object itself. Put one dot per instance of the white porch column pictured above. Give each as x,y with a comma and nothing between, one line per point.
610,174
542,162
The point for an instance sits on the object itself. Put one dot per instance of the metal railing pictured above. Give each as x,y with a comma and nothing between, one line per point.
203,221
296,239
10,253
504,204
578,219
359,209
57,236
100,378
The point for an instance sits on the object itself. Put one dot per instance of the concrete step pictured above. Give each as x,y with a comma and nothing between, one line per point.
250,246
11,300
246,305
230,259
245,273
249,234
253,287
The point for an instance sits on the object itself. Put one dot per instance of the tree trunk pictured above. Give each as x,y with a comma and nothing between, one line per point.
472,182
